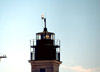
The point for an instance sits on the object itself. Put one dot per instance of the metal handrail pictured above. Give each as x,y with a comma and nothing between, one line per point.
33,42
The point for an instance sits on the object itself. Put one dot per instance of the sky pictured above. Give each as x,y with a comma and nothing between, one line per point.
75,22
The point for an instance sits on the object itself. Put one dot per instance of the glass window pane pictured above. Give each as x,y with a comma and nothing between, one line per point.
42,70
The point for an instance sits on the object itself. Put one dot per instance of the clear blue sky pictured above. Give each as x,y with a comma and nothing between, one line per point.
75,22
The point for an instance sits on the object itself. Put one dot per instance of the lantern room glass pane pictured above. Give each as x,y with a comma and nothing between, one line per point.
52,37
38,37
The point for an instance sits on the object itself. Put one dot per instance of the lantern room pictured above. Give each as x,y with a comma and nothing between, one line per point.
45,35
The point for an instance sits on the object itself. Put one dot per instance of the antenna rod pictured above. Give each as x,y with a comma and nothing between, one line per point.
42,16
45,22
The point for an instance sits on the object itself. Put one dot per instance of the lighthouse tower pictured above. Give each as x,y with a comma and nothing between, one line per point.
45,52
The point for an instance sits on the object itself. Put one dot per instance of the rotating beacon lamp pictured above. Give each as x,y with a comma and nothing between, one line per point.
45,52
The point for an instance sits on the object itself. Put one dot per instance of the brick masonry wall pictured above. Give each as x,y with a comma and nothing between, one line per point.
48,65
